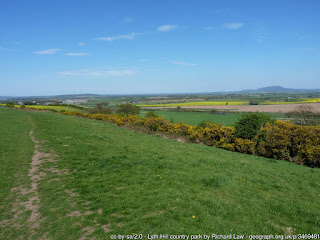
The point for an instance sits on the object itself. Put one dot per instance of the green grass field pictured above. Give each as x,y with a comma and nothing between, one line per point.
95,179
193,104
193,118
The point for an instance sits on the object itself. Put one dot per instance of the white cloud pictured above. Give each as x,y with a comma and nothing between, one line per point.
81,44
76,54
129,36
166,28
99,73
143,60
183,63
233,25
48,51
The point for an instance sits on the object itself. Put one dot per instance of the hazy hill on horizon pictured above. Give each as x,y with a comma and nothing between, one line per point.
269,89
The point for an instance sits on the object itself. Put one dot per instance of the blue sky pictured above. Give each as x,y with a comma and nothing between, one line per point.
164,46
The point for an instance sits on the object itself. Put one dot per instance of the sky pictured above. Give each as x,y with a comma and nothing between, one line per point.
157,46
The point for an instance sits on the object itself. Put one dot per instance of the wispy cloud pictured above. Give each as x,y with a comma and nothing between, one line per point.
166,28
208,28
260,38
3,48
76,54
183,63
127,20
233,25
99,73
81,44
48,51
129,36
143,60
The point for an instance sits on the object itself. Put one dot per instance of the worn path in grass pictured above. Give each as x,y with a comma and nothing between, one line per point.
23,214
87,179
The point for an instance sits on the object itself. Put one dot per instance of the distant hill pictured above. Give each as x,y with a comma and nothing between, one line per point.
278,89
270,89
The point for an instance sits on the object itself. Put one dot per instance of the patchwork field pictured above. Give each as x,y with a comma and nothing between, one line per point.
227,103
277,108
193,104
64,177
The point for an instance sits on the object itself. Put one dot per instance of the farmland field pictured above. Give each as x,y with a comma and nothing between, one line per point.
227,103
193,118
193,104
43,107
65,177
276,108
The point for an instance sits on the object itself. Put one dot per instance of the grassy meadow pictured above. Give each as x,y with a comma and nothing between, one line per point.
96,179
193,117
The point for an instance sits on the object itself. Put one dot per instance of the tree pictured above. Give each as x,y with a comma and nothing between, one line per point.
249,124
253,102
100,109
304,115
128,108
10,104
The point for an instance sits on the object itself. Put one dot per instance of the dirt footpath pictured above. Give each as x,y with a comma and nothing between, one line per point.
277,108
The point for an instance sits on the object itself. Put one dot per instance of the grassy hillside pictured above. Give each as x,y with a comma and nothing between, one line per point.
95,179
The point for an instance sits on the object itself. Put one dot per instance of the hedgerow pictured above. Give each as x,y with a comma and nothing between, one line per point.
280,140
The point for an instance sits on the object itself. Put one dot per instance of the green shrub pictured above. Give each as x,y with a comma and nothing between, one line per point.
253,102
203,124
128,108
152,114
249,124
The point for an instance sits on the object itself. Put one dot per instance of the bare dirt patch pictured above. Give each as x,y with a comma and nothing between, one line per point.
31,206
88,231
106,228
153,214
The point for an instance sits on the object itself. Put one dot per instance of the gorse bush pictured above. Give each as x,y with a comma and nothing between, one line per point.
249,124
294,143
